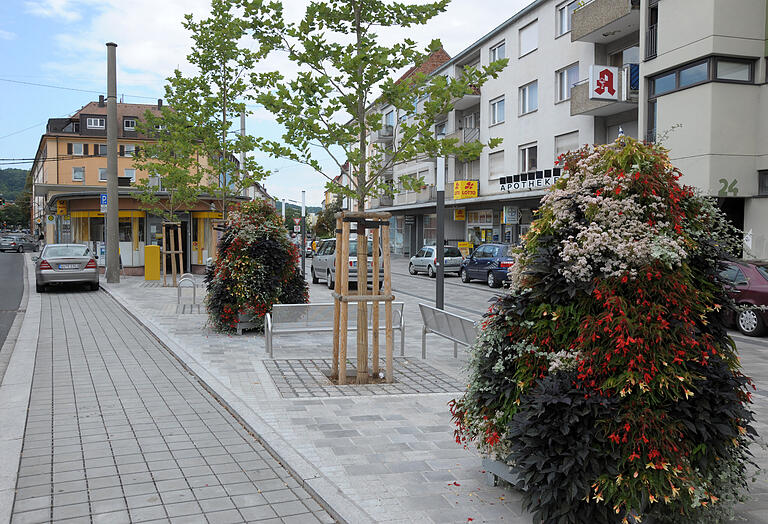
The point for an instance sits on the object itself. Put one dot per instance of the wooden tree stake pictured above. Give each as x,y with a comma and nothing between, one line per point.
375,312
390,339
336,306
362,307
344,282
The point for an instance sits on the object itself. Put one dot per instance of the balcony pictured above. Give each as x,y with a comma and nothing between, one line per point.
651,38
383,135
428,194
466,135
604,21
628,85
381,201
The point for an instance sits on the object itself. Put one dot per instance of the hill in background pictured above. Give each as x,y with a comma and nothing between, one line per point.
12,183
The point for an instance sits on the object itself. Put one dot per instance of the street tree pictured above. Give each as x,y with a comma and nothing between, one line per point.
204,106
346,74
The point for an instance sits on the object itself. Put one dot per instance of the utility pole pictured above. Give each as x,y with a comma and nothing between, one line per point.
303,233
440,183
246,190
283,211
113,246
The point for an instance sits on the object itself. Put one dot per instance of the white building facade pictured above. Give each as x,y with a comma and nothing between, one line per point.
582,73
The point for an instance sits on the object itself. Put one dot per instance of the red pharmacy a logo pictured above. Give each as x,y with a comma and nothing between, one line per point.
605,82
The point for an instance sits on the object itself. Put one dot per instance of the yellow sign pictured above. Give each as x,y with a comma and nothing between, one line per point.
61,207
459,213
465,248
465,189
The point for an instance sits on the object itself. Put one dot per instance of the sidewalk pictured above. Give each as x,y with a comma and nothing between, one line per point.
381,453
117,430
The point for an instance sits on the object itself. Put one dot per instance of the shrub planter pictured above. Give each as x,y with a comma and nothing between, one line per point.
496,469
247,322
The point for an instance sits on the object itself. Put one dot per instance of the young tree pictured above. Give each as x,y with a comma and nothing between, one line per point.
205,106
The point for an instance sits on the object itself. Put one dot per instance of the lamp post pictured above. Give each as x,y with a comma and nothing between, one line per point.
440,205
303,234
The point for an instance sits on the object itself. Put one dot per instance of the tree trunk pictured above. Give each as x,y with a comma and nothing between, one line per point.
362,243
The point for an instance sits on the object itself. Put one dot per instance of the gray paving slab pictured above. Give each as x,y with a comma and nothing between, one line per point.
119,431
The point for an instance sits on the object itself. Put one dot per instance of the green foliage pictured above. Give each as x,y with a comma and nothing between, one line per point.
203,109
326,220
345,77
13,215
615,298
12,182
257,267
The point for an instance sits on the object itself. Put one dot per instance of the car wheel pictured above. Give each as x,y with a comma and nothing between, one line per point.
750,323
464,276
315,280
411,269
39,287
492,282
329,280
20,249
431,272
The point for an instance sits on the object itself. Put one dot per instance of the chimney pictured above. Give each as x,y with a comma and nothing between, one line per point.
159,103
101,100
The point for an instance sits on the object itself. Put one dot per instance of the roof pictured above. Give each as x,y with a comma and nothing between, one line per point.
429,65
123,110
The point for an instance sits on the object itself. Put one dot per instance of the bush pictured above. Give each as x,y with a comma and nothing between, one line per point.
612,334
257,266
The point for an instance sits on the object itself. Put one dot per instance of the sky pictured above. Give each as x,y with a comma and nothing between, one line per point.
61,43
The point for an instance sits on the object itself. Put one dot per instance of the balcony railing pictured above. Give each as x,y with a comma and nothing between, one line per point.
471,134
651,37
428,194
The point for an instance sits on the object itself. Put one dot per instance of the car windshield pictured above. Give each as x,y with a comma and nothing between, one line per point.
65,251
353,248
763,271
452,252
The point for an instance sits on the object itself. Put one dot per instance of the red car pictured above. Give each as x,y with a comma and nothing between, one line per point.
748,286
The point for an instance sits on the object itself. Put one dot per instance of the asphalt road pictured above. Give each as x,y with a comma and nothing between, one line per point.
11,290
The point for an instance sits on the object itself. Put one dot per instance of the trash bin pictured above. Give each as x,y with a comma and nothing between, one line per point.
152,263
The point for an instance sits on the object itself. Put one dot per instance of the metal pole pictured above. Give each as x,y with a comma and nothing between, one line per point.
246,190
283,211
303,233
440,280
113,247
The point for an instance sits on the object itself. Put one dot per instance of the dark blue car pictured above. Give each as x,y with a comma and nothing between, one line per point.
489,262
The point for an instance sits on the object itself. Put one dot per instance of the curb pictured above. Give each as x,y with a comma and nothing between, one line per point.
15,391
330,497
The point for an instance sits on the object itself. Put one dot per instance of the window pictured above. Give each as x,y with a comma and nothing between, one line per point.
734,71
529,98
130,149
498,52
529,38
471,121
100,149
389,119
528,158
440,128
565,143
78,174
95,123
496,164
497,111
130,173
762,187
664,84
565,78
129,124
77,149
564,14
694,74
103,174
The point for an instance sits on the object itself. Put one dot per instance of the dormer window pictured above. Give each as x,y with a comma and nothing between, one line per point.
96,123
129,124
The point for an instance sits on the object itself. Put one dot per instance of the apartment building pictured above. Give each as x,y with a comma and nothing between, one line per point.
70,177
688,72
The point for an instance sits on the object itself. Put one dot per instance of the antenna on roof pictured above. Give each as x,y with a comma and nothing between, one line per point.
122,98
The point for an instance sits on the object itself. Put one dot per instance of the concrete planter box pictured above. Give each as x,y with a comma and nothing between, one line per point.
495,470
247,322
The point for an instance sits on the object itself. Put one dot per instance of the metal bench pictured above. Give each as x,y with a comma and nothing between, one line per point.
318,318
457,329
186,280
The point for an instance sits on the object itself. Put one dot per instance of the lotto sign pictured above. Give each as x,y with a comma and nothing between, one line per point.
61,207
465,189
603,82
459,213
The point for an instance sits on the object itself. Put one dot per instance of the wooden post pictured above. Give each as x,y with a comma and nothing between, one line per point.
390,339
336,305
362,309
162,254
173,257
375,312
180,251
344,283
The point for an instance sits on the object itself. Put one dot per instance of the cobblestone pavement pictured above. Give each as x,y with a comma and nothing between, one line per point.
391,456
119,431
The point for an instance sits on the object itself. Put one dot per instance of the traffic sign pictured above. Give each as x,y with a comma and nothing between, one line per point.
297,221
103,202
297,229
51,219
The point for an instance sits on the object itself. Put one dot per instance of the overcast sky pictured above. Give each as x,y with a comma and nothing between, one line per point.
61,43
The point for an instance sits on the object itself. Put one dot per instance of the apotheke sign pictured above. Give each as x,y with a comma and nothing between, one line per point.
529,181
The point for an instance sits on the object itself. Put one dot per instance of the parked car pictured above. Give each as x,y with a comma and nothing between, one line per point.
489,262
309,253
18,242
748,286
425,261
66,263
324,263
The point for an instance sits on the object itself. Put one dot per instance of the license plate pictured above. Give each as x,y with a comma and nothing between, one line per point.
69,266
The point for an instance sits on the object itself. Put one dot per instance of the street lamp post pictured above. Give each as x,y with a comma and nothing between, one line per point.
303,234
440,204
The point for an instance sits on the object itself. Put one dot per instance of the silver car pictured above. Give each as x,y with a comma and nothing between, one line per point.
66,263
18,242
425,261
324,263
